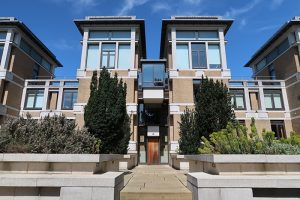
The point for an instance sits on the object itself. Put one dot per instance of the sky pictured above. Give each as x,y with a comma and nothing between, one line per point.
52,21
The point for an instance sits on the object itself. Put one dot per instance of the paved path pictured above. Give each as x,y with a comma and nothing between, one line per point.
155,182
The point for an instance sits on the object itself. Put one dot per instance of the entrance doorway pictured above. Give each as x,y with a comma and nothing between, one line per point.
153,151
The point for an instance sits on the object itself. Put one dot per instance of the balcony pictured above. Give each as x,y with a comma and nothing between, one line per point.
153,81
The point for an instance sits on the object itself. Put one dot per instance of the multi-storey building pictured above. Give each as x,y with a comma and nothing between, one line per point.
22,56
158,91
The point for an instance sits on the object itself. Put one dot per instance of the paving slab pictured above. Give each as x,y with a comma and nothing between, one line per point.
147,182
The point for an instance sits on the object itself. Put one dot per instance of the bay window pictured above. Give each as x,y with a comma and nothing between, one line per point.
34,99
124,57
273,99
214,59
182,56
199,56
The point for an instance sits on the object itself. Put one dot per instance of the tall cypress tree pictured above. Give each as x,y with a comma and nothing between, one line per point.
88,110
108,119
213,109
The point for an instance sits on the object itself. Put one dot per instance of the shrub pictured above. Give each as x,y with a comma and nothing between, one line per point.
235,140
48,135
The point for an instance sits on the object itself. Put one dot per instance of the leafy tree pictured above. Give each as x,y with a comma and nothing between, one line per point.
105,114
213,109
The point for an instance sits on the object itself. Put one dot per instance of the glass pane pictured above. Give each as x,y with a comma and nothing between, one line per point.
277,101
185,35
283,46
208,35
142,153
1,51
239,101
2,36
104,60
268,101
198,47
195,59
147,73
46,64
92,57
164,154
37,57
121,35
182,56
39,100
124,56
214,59
203,59
112,60
67,101
272,55
108,46
101,35
30,101
25,46
158,75
261,64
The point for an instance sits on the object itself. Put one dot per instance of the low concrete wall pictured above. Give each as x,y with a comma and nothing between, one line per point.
179,162
211,187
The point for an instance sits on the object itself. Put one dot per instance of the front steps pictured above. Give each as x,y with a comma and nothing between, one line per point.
155,182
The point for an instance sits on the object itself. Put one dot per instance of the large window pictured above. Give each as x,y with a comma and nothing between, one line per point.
92,61
214,59
199,56
237,99
273,99
182,56
2,36
69,98
153,75
124,56
278,128
34,99
109,35
108,55
1,51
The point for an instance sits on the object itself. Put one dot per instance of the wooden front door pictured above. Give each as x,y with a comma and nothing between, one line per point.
153,151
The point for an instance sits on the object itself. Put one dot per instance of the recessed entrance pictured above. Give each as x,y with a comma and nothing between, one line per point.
153,151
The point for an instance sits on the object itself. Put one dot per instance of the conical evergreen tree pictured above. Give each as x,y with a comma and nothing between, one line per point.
108,118
88,110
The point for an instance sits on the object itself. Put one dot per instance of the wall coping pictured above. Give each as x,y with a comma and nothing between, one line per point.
61,158
108,179
243,158
204,180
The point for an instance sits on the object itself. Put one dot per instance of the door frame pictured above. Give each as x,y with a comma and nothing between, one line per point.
158,138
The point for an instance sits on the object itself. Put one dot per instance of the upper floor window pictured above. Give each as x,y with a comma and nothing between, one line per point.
2,36
272,72
92,61
198,55
1,51
69,99
197,35
35,71
109,35
214,58
35,55
237,99
153,75
124,56
108,55
273,99
34,99
182,56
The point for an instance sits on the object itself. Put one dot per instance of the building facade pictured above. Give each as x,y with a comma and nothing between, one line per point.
158,91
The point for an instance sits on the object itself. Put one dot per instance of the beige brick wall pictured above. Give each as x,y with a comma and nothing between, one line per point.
182,91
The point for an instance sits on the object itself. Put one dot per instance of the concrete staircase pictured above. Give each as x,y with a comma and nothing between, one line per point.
155,182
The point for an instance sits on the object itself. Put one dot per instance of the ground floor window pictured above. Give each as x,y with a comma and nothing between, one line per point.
69,98
34,99
277,126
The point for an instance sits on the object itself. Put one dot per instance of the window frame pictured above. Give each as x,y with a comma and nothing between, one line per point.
272,92
233,94
36,92
72,96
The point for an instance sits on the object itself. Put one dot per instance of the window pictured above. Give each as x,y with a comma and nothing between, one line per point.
273,99
35,71
2,36
92,61
199,56
237,99
196,87
186,35
214,59
124,60
272,73
69,98
182,56
108,55
277,126
197,35
109,35
208,35
34,99
1,51
153,75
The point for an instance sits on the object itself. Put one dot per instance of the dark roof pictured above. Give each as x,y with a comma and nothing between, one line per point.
32,36
277,35
192,20
114,21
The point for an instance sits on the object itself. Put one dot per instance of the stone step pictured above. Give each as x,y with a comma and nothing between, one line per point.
155,196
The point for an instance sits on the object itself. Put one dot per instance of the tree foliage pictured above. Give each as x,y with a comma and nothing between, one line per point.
105,114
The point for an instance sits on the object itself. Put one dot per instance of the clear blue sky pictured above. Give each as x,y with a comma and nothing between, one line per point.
52,22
